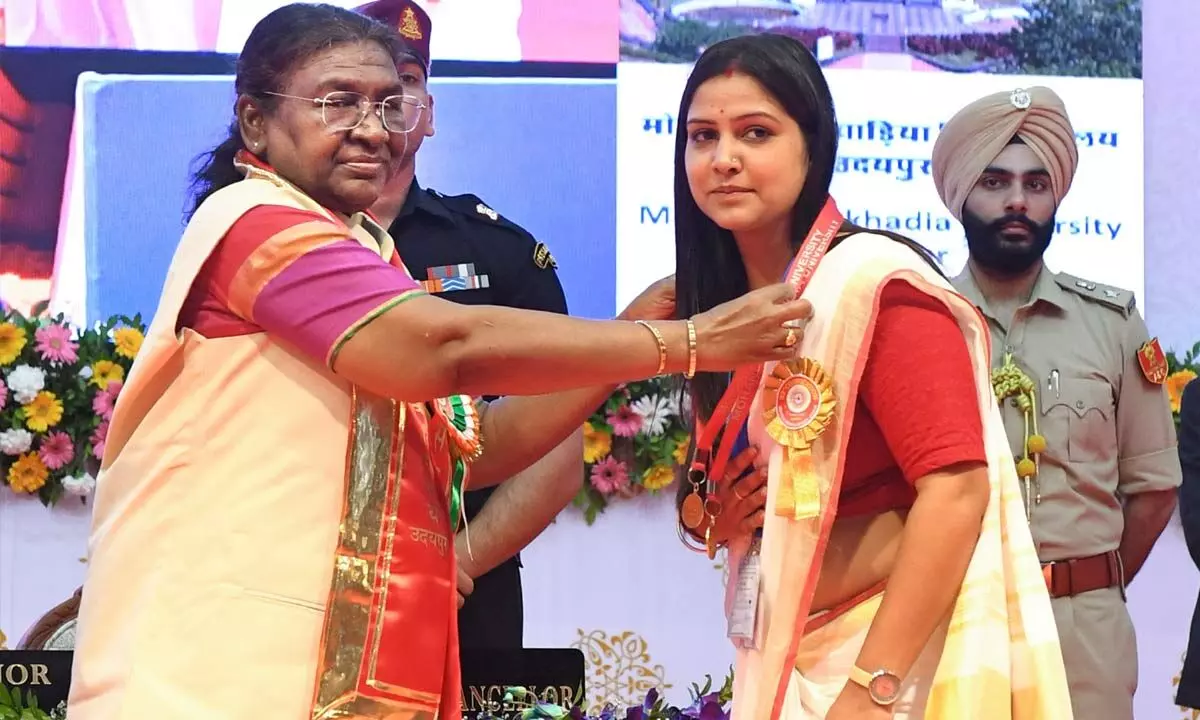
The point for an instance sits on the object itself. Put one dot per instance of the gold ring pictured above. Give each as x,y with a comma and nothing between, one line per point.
789,339
738,495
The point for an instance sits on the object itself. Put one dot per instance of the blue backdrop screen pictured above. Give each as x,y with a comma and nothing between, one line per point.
494,139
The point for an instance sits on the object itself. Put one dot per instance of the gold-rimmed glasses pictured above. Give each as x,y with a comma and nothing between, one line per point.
345,110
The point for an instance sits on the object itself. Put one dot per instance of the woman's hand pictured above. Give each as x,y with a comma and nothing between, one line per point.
855,703
743,496
656,302
763,325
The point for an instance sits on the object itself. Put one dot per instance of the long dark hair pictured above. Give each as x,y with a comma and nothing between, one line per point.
277,45
708,266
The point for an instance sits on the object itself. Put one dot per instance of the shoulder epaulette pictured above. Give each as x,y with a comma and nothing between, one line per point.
471,207
1112,297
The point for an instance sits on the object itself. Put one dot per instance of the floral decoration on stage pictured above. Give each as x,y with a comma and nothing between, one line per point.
1180,372
58,386
707,704
634,443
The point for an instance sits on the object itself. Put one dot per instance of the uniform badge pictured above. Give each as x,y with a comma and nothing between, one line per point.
1020,99
487,212
1153,361
542,257
447,278
409,27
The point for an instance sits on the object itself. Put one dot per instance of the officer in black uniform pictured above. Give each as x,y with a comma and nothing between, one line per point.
462,250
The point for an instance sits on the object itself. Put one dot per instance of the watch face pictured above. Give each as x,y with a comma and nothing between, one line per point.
885,688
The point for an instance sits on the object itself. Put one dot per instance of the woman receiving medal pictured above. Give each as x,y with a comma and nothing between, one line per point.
887,570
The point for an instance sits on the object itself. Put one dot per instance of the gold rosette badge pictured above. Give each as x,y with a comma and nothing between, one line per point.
798,404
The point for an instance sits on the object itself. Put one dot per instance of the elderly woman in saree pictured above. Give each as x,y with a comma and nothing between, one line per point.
272,533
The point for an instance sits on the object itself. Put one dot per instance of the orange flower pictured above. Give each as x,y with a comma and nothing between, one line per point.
596,443
1175,384
12,341
681,450
28,474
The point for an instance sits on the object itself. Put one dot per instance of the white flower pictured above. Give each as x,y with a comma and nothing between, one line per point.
655,411
26,382
15,442
81,486
85,372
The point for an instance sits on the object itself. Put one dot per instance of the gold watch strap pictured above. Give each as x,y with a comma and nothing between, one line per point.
861,677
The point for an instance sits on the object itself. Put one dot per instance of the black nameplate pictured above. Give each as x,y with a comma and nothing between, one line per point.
43,674
553,675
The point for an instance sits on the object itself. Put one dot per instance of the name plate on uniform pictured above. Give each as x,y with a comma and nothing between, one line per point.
34,678
552,675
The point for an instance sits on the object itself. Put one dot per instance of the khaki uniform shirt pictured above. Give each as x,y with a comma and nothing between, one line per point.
1109,430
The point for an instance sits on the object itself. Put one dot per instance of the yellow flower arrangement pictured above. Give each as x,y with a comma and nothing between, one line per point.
57,393
44,412
12,342
632,444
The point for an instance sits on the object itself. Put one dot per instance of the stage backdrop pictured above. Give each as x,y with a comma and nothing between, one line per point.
889,122
489,30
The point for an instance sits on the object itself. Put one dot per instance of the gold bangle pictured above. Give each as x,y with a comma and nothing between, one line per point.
662,346
691,336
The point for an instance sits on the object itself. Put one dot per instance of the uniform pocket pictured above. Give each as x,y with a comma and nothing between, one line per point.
1080,420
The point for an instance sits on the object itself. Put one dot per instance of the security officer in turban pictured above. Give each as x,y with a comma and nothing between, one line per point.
1078,379
464,251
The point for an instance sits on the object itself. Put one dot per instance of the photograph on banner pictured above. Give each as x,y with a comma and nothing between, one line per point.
882,178
1092,38
479,30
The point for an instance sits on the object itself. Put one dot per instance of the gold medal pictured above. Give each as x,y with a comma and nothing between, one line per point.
710,543
798,404
692,512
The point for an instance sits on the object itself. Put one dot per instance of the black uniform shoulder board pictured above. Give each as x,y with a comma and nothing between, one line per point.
472,207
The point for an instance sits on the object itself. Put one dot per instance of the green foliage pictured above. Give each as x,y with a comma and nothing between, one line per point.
14,706
1086,38
684,40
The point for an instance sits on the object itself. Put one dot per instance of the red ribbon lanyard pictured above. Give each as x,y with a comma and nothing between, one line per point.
734,407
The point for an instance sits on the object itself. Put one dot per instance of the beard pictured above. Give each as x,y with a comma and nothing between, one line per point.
992,250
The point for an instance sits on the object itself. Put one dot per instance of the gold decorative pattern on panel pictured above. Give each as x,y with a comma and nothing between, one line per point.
618,668
1187,713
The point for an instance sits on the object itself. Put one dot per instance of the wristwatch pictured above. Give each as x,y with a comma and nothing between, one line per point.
882,685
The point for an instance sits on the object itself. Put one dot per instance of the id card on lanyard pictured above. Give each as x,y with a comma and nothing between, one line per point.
730,417
742,617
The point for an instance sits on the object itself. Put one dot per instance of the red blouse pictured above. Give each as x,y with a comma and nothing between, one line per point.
917,412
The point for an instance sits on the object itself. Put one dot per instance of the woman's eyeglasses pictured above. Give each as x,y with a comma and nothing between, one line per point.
344,110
